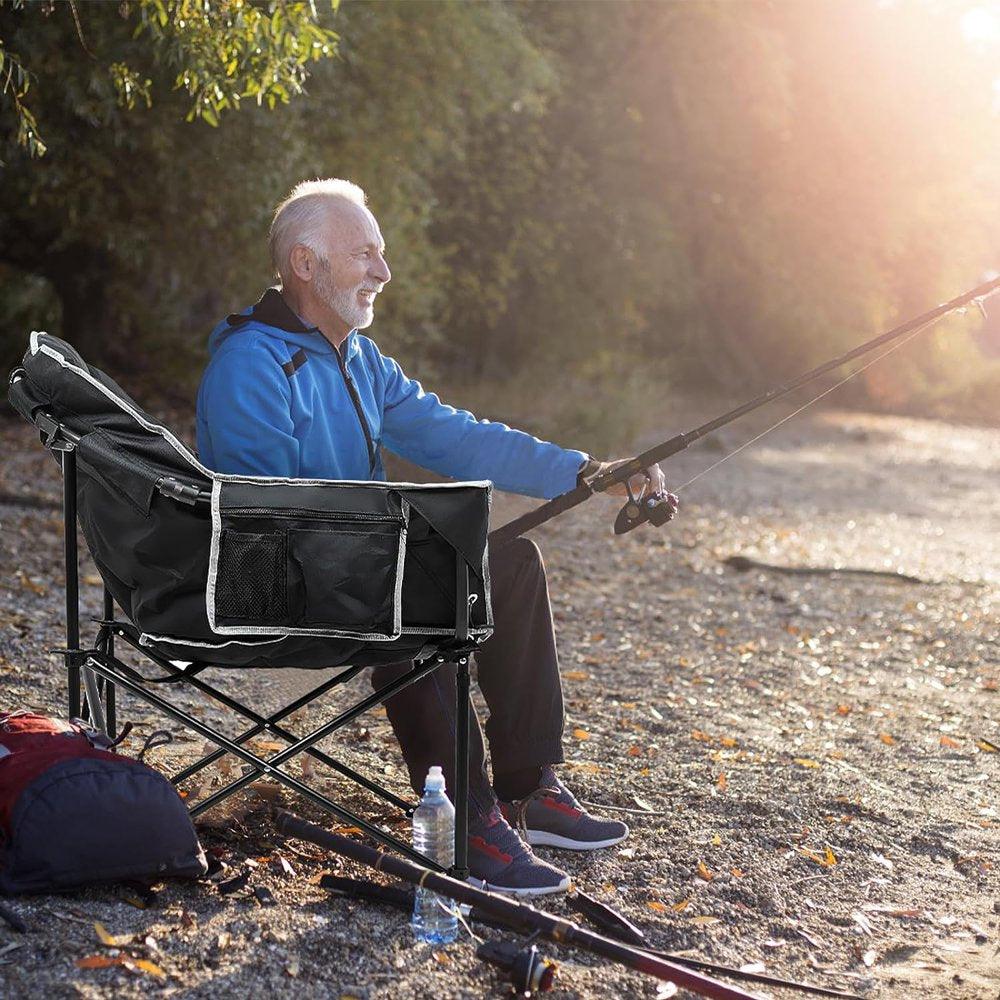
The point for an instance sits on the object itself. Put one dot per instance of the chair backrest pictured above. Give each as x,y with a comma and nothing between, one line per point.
161,559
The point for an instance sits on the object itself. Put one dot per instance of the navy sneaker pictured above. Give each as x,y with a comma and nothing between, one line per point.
552,817
500,861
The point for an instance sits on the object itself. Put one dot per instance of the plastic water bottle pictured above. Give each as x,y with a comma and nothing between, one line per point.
434,917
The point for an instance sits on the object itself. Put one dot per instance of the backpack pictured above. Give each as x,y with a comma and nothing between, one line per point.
72,811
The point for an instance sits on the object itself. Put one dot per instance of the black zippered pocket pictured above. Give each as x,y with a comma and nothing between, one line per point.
304,569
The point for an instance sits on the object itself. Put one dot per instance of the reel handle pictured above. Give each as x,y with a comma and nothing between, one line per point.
656,508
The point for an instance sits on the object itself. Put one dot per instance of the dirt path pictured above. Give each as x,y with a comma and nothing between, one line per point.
806,760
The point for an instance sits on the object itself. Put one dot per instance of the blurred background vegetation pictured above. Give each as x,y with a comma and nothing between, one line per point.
581,201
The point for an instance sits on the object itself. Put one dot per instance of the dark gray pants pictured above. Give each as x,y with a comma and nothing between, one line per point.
518,673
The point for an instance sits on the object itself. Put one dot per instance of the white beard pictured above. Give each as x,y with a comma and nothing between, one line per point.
355,313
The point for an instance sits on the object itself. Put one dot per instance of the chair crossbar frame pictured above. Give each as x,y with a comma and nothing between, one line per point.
261,723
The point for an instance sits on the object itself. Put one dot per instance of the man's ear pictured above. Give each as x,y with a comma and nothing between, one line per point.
303,262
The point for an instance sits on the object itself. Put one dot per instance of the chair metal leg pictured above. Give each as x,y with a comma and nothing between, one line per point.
73,658
95,706
460,869
110,708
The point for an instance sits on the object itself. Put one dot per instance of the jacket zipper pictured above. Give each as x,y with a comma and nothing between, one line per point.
356,400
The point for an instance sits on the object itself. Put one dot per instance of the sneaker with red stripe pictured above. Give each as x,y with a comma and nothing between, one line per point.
502,862
552,817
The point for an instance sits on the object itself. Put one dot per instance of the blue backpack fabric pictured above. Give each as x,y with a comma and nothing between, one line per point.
74,812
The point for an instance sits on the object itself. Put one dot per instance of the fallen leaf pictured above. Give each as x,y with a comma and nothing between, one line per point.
98,961
441,957
887,739
586,766
843,710
681,906
704,872
806,762
235,884
736,872
110,940
264,895
986,746
722,783
29,584
634,751
827,859
947,741
655,904
706,920
727,741
581,734
147,966
716,840
575,675
697,734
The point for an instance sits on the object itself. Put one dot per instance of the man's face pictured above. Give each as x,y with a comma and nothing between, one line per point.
353,269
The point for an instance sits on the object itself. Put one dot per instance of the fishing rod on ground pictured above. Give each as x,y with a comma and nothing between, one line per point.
519,916
659,507
530,971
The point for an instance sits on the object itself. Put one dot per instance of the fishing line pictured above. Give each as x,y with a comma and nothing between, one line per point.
806,405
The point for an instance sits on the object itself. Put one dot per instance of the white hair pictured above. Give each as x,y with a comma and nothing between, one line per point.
300,218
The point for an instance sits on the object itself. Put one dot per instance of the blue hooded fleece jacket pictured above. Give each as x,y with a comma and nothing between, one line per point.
277,399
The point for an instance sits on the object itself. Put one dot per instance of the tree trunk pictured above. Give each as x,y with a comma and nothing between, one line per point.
78,275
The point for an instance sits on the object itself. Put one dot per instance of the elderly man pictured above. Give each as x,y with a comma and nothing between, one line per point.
292,389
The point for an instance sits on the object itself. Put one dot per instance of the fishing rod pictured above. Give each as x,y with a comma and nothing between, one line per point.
517,961
519,916
657,507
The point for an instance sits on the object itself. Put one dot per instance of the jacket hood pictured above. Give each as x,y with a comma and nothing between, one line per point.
272,316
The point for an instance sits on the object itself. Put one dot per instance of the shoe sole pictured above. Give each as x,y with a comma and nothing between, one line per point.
548,890
542,838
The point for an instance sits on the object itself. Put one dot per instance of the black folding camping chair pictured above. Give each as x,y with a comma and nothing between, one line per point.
249,572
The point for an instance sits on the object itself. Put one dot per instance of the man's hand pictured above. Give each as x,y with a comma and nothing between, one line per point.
652,479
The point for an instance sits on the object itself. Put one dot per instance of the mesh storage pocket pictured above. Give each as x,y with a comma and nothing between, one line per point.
251,583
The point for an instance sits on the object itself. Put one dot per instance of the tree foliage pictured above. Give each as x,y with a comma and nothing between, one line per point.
221,52
734,190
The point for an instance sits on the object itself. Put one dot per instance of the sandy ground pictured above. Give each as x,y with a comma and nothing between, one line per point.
807,761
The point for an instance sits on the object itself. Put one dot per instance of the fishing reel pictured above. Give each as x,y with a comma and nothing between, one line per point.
656,507
528,971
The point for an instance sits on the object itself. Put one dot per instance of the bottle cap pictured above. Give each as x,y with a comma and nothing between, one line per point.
435,780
